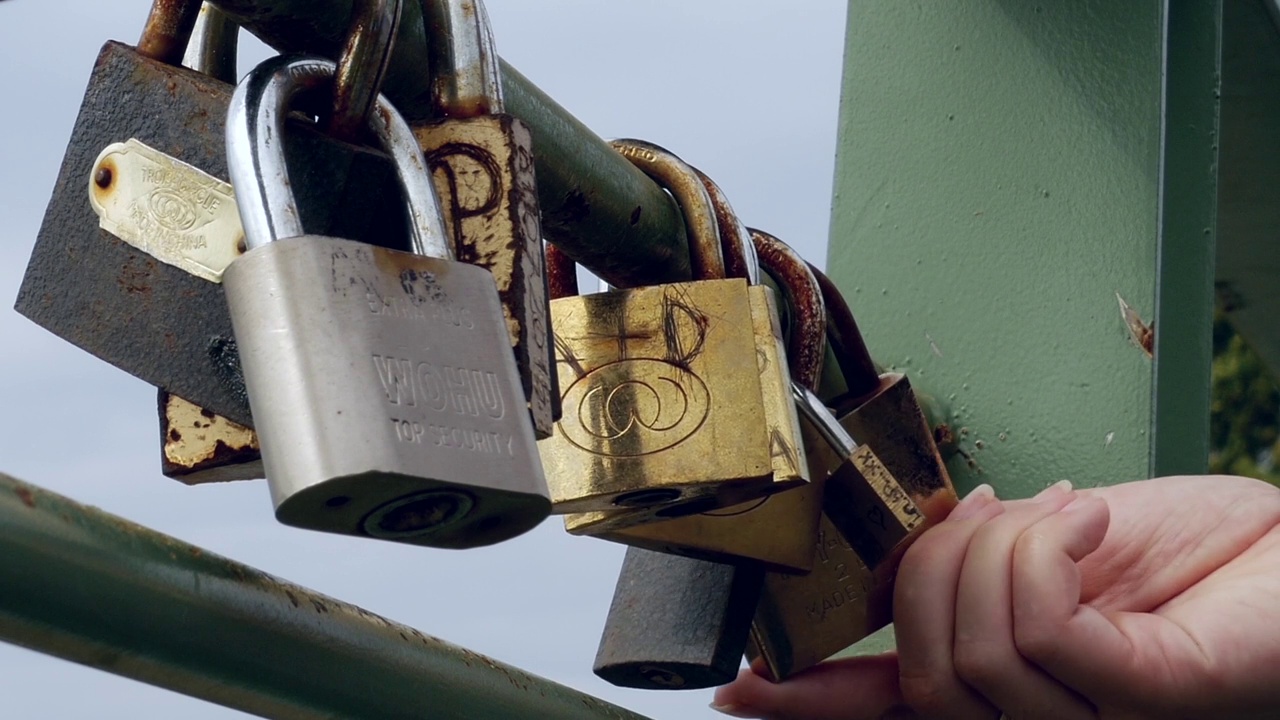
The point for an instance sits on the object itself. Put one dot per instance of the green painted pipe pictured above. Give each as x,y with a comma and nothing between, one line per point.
95,589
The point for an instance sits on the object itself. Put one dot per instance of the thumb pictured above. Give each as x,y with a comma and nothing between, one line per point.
860,688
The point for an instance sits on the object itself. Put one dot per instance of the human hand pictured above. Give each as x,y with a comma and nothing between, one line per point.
1158,598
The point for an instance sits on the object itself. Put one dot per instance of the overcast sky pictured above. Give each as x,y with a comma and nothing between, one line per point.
746,90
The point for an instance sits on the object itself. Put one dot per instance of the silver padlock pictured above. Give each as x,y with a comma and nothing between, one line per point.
381,382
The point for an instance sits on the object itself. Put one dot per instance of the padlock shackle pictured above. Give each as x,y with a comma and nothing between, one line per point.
817,413
168,30
859,370
681,180
562,273
463,59
362,65
258,170
736,244
807,344
212,46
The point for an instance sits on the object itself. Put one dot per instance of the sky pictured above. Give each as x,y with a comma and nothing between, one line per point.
747,90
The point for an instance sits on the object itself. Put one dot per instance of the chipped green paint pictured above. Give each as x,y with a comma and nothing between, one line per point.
998,191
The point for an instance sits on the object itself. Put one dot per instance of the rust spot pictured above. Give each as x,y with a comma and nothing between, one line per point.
174,435
292,598
26,496
942,435
1141,333
206,412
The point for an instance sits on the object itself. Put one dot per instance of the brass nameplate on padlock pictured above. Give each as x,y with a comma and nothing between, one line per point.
174,212
201,447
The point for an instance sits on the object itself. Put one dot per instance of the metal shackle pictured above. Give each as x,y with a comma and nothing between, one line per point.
735,239
465,79
362,64
817,412
211,49
681,180
259,172
803,294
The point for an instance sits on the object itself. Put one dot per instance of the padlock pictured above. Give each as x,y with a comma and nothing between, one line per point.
676,623
147,147
199,447
386,397
780,530
882,412
651,383
867,524
482,164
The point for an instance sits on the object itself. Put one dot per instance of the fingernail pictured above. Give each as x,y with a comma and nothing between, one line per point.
732,710
973,502
1058,489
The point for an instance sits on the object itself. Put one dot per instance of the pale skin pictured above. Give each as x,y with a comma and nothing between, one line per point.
1151,599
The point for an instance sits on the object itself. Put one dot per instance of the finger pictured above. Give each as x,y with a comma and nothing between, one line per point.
861,688
986,655
924,614
1088,651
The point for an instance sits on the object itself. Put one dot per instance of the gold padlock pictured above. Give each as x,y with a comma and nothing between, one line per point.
801,621
778,531
651,384
198,446
868,521
482,165
882,412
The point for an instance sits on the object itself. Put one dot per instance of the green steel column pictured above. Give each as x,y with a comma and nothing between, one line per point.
1009,174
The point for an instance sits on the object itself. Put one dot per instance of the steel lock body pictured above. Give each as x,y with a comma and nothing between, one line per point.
653,409
891,422
750,531
129,302
377,381
802,620
483,172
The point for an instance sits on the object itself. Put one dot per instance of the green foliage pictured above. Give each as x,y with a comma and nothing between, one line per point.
1244,438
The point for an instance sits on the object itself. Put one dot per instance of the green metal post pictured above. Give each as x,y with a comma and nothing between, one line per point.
98,590
1009,174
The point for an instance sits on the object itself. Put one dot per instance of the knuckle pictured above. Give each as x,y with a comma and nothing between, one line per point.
979,662
926,694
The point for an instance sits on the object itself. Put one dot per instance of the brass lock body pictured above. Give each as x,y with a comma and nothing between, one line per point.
651,399
777,531
200,447
482,166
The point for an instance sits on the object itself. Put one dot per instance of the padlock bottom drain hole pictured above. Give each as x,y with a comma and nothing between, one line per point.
645,498
419,514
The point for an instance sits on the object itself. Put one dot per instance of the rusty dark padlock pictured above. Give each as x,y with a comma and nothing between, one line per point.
148,151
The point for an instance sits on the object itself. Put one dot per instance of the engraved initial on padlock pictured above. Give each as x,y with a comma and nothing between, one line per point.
653,381
383,389
482,165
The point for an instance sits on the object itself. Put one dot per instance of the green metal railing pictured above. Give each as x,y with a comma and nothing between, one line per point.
95,589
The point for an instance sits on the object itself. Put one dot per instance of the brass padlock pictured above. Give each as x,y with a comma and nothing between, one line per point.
882,412
649,381
868,522
482,165
804,620
778,531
